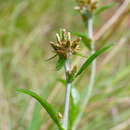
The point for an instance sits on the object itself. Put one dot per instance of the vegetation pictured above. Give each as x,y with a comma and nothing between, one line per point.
96,82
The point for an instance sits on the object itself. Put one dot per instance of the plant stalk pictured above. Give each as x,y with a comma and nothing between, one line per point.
89,88
67,96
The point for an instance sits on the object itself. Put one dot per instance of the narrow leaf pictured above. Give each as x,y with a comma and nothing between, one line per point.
104,8
62,81
36,121
81,55
60,63
85,39
51,58
92,58
75,95
48,107
74,106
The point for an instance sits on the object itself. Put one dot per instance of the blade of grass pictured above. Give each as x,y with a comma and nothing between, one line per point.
36,118
104,8
48,107
92,58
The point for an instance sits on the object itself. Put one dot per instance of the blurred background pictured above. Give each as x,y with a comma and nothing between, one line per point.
26,28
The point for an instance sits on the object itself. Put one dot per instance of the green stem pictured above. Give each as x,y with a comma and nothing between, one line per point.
67,96
88,89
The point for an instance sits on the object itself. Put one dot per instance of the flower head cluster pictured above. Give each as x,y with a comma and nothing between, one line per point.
65,46
89,5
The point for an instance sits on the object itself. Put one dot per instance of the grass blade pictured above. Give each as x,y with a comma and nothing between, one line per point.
36,121
48,107
60,63
91,59
104,8
74,107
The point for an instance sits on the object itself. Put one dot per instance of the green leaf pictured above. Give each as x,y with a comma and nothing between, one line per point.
81,55
75,95
92,58
60,63
51,58
103,8
122,74
85,39
48,107
74,106
62,81
36,121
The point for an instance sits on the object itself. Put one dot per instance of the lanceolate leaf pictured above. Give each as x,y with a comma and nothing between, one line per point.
75,95
62,81
74,106
36,121
60,63
103,8
48,107
85,39
92,58
81,55
51,58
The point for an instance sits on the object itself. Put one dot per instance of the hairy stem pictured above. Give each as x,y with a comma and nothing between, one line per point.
89,88
67,96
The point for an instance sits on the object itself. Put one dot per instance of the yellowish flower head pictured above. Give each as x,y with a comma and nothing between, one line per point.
65,46
89,5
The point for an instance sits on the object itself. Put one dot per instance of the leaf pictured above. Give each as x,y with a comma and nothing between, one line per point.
60,63
85,39
92,58
62,81
74,106
81,55
103,8
75,95
51,58
48,107
36,121
122,74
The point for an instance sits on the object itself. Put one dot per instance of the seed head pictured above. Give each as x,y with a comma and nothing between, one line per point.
89,5
64,45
